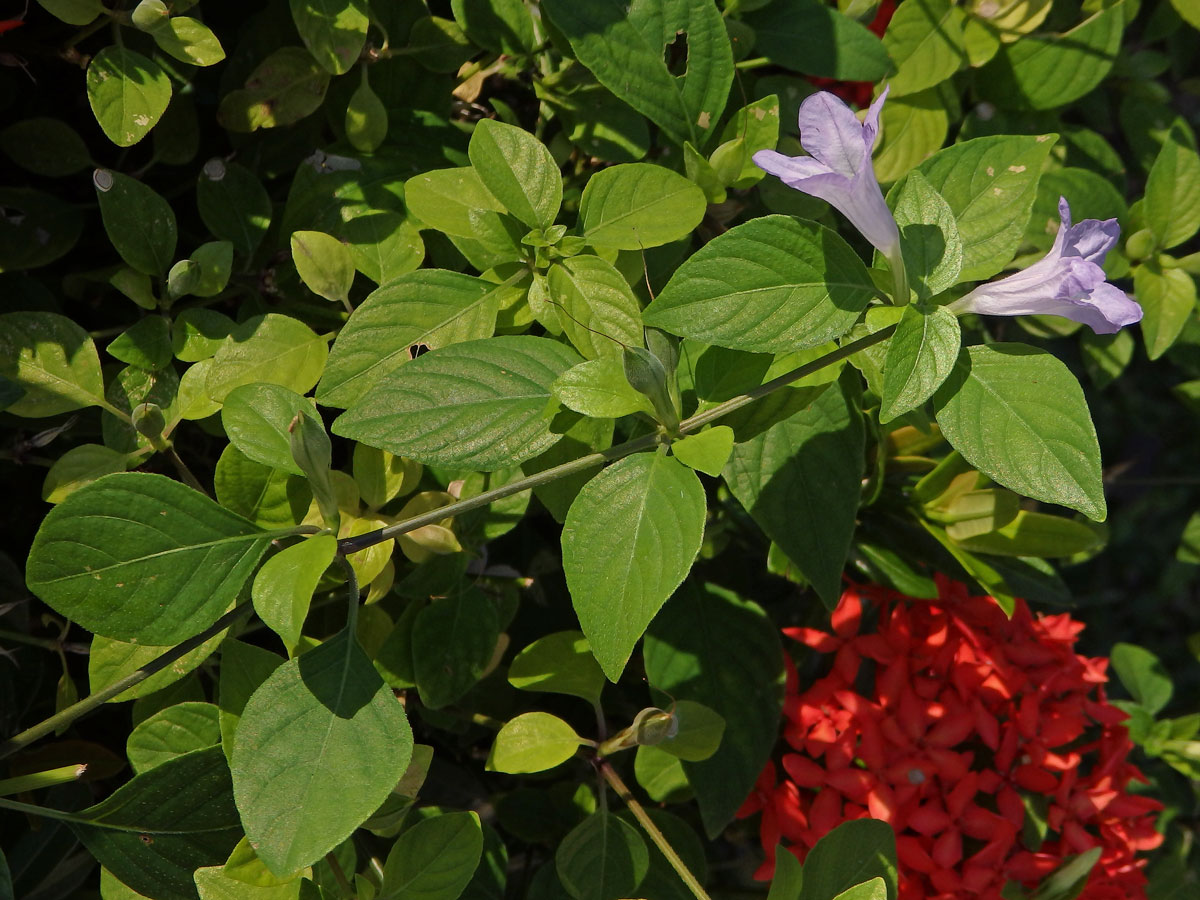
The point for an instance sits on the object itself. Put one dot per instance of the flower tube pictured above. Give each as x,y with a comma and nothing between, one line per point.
1067,282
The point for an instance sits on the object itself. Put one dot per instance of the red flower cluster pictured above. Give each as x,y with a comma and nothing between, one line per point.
986,742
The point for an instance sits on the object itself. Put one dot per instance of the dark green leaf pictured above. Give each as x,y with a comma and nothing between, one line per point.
139,222
852,853
453,640
809,37
602,858
53,360
559,663
434,860
1143,676
233,204
333,30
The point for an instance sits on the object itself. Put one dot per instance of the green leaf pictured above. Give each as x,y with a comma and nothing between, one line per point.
141,557
366,118
1189,10
155,830
285,87
789,876
814,39
1143,675
45,146
274,349
661,881
599,313
919,358
80,465
139,222
313,452
36,229
912,128
929,239
599,388
188,40
603,857
53,360
636,206
453,640
754,127
925,40
800,480
990,184
698,734
875,889
381,476
454,201
244,667
73,12
517,170
320,745
233,204
502,26
1018,415
145,344
284,585
707,451
1048,71
629,540
475,405
334,31
625,49
109,661
559,663
172,732
128,94
270,498
660,775
849,855
532,742
324,264
805,287
1032,534
1172,204
1068,880
257,419
435,859
430,307
1167,297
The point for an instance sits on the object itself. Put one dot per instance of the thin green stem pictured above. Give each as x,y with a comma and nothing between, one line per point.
350,545
102,696
184,472
30,640
63,816
660,841
351,593
38,780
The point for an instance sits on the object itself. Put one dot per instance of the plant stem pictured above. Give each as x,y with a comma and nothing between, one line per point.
351,593
645,442
660,841
37,780
339,874
100,697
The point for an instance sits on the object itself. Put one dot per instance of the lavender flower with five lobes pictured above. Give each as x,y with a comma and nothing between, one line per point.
838,170
1068,282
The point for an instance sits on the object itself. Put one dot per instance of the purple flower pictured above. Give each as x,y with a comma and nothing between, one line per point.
1068,282
838,169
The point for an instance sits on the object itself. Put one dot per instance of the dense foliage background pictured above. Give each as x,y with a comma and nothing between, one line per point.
212,210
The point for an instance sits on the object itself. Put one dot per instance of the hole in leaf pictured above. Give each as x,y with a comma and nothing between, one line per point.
417,350
675,54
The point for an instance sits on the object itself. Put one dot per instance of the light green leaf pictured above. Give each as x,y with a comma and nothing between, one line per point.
128,94
875,889
320,745
53,360
929,239
334,31
814,39
284,586
849,855
912,128
73,12
1032,534
244,667
706,451
454,201
559,663
601,315
1189,10
430,307
1018,415
518,170
919,358
1048,71
270,498
171,732
233,204
1143,675
660,775
435,859
274,349
324,264
698,734
185,810
602,857
188,40
629,540
532,742
477,404
382,476
636,206
599,388
990,184
1167,297
771,285
366,118
800,480
285,87
139,222
625,47
109,661
214,260
453,640
145,344
141,557
313,452
79,466
925,40
1172,204
752,128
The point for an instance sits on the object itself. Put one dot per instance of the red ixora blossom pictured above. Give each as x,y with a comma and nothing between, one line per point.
985,741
